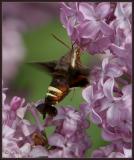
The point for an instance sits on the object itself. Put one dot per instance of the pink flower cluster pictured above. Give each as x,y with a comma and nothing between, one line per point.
69,137
68,140
17,131
97,27
106,28
110,151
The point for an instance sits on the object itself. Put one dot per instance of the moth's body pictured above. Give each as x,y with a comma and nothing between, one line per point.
62,77
67,73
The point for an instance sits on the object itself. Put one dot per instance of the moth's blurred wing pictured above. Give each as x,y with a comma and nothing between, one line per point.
46,66
81,78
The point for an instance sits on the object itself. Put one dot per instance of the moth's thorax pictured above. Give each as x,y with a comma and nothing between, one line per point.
75,58
71,59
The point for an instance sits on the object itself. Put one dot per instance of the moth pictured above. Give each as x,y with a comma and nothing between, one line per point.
67,72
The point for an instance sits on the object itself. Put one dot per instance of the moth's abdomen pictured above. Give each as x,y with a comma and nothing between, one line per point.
55,94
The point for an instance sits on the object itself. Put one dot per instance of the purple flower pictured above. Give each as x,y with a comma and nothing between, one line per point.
29,15
69,138
110,107
121,45
112,151
119,118
86,24
38,151
96,27
12,49
17,131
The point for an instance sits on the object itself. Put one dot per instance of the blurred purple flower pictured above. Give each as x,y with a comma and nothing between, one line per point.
13,50
17,18
29,15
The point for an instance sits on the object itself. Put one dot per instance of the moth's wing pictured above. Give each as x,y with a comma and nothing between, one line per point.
81,78
85,71
46,66
80,81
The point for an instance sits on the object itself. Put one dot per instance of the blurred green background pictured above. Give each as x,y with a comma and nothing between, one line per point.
32,82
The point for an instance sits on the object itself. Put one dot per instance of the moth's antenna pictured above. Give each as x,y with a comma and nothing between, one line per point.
60,40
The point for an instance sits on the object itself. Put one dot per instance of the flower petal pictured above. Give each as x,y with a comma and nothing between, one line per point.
38,151
56,140
28,129
26,148
95,117
21,112
102,9
119,51
69,127
87,94
104,64
127,152
108,88
17,102
106,29
113,115
99,45
7,131
116,155
109,136
87,11
85,108
89,29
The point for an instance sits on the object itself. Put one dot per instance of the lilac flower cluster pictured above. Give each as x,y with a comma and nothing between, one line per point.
106,28
110,151
17,131
68,140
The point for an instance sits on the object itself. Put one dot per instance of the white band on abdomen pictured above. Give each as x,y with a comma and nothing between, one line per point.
51,88
51,95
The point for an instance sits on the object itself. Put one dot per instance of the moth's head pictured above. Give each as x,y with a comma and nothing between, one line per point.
76,55
76,49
